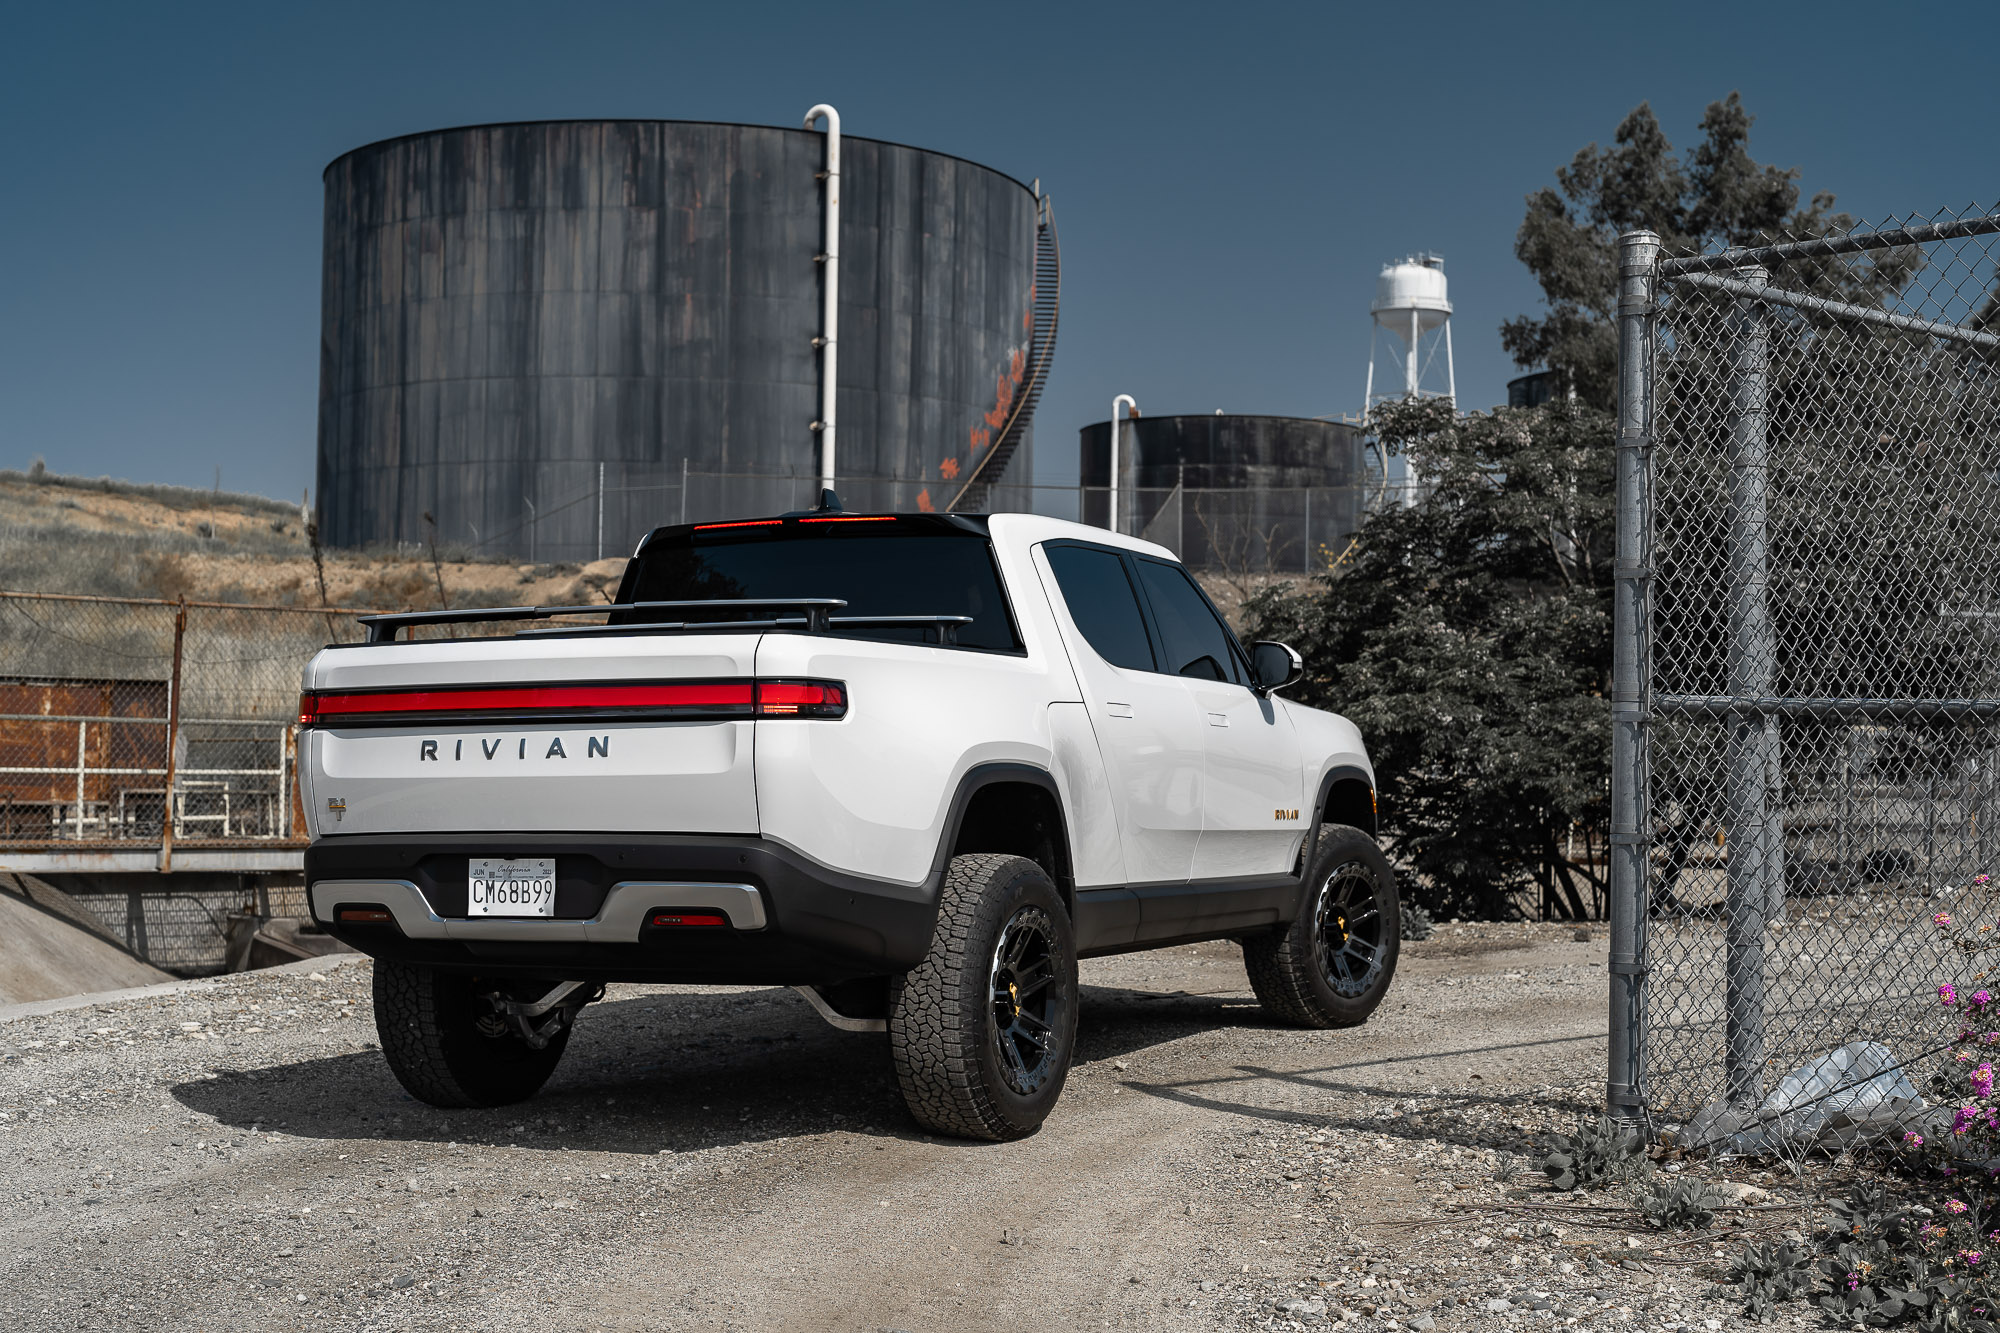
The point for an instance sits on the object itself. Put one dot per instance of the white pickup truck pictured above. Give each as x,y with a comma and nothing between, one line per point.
916,765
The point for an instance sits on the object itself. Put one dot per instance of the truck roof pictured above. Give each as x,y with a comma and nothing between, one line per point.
1011,529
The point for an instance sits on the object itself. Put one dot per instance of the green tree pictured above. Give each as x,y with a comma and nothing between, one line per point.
1569,238
1469,638
1469,635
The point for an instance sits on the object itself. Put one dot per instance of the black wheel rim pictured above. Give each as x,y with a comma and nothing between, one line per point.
1026,1000
1347,930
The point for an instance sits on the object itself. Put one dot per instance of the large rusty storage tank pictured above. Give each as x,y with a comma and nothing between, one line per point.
1238,493
534,333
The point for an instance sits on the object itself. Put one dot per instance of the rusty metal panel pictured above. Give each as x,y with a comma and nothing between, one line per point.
58,725
507,307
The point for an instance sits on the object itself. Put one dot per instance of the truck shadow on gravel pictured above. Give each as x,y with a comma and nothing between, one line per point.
664,1072
1440,1117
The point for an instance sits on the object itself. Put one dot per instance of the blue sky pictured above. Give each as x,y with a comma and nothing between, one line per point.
1228,178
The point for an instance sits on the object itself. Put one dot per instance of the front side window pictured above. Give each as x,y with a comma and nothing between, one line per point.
1196,643
1103,605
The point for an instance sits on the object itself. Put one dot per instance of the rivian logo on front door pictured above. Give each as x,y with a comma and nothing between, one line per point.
1286,814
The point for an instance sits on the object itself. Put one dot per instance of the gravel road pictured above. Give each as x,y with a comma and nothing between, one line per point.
234,1154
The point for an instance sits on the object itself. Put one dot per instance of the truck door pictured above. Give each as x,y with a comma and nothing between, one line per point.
1253,806
1146,724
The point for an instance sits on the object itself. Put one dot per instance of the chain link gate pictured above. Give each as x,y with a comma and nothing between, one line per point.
1806,679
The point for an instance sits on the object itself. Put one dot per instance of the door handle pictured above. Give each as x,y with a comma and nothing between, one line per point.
1218,719
1118,710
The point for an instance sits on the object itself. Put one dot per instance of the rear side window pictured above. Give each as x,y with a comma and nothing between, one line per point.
1196,643
895,567
1101,601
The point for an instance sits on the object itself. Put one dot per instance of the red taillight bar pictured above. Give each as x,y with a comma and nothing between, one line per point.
712,699
853,518
801,698
741,523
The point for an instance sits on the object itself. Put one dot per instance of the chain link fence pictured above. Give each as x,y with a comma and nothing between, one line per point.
584,511
146,723
1806,761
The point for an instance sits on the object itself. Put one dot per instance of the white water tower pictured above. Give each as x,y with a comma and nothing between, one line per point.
1411,307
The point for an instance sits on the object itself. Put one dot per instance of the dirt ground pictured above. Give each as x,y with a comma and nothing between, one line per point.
235,1155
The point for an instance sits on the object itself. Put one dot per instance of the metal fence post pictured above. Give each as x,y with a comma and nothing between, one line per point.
82,753
1637,253
173,740
1752,744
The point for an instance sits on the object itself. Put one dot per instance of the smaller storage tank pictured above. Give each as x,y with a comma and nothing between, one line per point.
1248,494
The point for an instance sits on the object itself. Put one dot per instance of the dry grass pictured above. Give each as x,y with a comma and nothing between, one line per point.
122,539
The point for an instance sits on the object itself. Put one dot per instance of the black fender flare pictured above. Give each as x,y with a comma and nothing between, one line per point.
1323,801
986,775
1336,775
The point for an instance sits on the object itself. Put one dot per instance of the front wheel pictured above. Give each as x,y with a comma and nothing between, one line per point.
983,1029
1333,964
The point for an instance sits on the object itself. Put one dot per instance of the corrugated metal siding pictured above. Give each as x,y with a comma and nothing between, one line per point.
506,306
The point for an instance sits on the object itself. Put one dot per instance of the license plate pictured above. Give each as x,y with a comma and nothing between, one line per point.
511,886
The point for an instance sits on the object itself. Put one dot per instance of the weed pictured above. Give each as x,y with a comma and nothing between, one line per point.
1771,1274
1686,1204
1601,1152
1417,924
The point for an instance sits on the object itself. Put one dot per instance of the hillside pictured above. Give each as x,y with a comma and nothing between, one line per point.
113,538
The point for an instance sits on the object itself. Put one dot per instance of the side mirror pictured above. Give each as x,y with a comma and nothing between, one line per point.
1275,665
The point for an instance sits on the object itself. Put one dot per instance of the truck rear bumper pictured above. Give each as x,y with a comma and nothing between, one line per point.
788,920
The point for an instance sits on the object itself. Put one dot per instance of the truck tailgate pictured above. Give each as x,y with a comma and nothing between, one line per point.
486,761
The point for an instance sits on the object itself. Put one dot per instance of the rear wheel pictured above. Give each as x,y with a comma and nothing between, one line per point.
449,1046
1333,964
983,1029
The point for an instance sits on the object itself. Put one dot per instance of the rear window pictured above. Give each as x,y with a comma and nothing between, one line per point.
886,567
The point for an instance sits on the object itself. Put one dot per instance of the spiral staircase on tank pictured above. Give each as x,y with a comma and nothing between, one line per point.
976,492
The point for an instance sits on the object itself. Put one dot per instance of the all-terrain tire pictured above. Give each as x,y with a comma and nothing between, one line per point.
982,1031
1332,964
444,1043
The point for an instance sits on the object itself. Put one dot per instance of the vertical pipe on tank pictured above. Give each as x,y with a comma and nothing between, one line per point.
1368,394
1123,400
828,341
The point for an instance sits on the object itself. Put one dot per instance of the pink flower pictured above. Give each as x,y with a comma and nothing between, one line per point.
1955,1205
1941,919
1914,1139
1970,1256
1981,878
1948,994
1981,998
